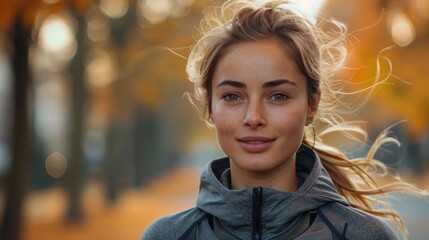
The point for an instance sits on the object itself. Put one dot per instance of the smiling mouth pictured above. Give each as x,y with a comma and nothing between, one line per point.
255,144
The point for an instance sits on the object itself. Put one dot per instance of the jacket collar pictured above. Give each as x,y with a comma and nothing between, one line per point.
233,208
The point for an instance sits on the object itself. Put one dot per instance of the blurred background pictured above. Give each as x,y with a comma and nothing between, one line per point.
97,140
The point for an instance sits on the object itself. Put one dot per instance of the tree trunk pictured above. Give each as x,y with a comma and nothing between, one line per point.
16,181
75,173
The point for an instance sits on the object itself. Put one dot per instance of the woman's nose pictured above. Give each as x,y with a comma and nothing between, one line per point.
255,116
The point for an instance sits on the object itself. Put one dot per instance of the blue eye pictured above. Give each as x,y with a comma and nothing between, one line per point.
230,97
278,97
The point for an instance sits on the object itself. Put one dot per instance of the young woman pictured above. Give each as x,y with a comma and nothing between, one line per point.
263,73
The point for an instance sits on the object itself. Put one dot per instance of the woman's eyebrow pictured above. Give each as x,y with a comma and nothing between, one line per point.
278,82
269,84
232,83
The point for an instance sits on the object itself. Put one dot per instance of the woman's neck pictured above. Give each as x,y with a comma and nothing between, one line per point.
282,178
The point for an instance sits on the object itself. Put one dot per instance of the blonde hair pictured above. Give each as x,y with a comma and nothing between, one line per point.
319,54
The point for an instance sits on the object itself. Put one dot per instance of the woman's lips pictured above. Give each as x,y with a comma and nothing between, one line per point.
255,144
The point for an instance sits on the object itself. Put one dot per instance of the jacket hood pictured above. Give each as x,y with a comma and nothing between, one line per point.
234,207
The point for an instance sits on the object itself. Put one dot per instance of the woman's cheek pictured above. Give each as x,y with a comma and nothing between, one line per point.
223,113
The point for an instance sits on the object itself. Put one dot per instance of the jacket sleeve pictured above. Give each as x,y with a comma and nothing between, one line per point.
160,229
172,227
350,223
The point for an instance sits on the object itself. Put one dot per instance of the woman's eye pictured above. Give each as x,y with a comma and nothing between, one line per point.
231,97
279,97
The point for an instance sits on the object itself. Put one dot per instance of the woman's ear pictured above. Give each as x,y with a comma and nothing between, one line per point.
210,120
313,107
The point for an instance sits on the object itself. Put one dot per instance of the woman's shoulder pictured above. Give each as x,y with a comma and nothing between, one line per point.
355,222
174,225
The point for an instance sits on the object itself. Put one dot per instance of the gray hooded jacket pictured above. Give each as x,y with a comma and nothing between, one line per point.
315,211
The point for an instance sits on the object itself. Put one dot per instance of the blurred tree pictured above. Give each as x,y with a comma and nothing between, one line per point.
141,119
142,136
16,181
78,90
18,17
120,142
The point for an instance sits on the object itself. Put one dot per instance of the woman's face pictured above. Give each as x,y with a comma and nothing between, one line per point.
259,106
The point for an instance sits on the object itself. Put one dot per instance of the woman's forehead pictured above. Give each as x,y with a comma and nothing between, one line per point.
263,59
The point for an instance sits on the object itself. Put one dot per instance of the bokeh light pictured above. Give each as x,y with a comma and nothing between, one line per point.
98,28
57,37
401,29
56,165
114,8
310,7
100,69
155,11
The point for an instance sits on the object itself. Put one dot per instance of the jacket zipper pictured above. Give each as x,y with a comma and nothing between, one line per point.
257,213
